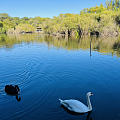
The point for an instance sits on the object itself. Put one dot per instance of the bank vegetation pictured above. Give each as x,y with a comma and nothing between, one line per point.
103,20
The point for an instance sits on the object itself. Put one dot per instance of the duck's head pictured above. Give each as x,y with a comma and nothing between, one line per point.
89,94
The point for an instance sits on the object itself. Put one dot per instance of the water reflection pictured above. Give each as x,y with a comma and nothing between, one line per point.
87,115
90,47
103,45
46,75
18,97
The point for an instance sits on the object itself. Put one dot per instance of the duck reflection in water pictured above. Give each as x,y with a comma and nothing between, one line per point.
13,90
88,117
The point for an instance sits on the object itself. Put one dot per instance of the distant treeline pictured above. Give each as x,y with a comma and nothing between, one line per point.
99,20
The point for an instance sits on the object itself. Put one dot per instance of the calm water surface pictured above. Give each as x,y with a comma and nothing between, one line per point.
48,68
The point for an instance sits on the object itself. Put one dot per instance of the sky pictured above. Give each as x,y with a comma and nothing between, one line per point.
45,8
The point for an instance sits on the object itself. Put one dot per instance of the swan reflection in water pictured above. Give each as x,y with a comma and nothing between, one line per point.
13,90
88,117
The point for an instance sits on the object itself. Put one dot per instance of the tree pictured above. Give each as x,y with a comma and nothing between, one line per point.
3,16
1,25
25,28
113,4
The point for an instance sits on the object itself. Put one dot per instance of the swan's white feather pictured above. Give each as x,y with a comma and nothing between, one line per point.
74,105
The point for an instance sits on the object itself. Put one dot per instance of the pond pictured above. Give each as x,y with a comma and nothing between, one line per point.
47,68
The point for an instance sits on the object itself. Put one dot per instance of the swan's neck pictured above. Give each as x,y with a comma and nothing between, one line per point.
89,103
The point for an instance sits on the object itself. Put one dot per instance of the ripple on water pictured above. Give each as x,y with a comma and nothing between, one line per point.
24,79
45,78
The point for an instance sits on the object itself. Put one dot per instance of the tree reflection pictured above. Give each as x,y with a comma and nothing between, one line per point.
103,45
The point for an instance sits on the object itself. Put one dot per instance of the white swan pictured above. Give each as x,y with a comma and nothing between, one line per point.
77,106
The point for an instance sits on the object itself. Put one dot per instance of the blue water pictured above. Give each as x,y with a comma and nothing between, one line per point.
46,73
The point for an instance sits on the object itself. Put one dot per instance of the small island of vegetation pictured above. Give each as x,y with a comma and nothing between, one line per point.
103,20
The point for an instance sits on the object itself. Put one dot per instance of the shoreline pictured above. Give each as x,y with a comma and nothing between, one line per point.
64,35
